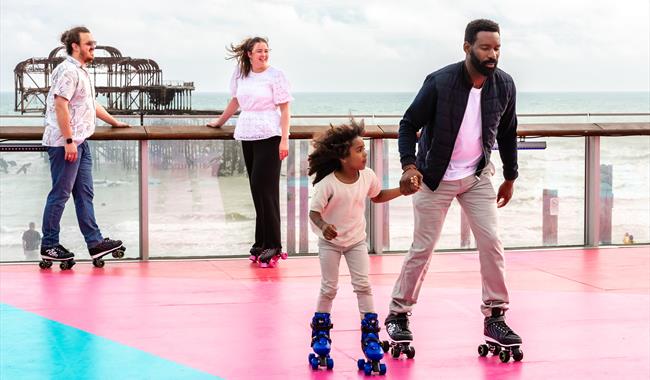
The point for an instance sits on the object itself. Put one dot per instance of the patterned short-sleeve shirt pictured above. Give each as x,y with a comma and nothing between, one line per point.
71,81
259,95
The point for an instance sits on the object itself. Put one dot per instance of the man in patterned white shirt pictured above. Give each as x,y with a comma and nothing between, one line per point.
69,120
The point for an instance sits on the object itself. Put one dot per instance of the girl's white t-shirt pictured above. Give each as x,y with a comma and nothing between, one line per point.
344,205
259,95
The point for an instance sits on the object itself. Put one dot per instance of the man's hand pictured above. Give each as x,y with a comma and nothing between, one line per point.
329,231
411,181
505,193
120,124
70,152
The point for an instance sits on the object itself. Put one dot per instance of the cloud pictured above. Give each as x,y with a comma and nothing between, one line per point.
350,45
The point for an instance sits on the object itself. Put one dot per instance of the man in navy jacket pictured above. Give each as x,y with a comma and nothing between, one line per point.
460,111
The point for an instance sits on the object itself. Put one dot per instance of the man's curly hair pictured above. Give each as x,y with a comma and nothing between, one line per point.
332,146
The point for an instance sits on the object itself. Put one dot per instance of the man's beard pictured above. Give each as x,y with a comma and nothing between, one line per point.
481,66
87,57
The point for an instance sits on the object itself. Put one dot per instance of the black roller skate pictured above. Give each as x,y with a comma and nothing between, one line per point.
371,346
105,247
397,326
270,257
255,254
500,339
56,253
321,342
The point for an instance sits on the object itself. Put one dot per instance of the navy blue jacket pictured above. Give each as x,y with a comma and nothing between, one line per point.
438,111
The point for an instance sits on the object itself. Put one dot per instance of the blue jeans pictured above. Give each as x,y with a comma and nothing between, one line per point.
76,178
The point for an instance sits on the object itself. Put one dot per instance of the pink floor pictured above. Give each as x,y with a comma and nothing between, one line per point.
583,314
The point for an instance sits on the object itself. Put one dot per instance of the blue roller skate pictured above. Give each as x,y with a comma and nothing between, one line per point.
371,346
321,342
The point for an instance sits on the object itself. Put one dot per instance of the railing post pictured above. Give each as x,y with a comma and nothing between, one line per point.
592,191
303,183
291,198
386,185
550,211
144,199
606,203
377,209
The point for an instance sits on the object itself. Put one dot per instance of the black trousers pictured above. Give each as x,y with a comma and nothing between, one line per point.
263,165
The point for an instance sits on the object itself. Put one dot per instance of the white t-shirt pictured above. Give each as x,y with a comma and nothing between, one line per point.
468,148
258,96
71,81
344,205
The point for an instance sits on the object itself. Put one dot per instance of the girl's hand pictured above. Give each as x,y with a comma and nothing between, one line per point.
415,183
411,181
329,231
284,149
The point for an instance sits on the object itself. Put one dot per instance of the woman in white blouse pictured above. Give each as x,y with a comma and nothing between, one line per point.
262,93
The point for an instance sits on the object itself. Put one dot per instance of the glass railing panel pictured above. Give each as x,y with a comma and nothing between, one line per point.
25,183
625,189
531,221
559,167
200,202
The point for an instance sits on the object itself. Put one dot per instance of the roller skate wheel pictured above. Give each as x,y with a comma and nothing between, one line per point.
98,263
313,362
65,265
483,350
284,255
367,369
395,351
252,258
410,352
360,364
517,354
330,363
119,253
382,369
385,345
45,264
504,356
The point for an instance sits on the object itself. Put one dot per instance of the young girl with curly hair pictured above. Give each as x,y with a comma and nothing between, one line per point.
342,183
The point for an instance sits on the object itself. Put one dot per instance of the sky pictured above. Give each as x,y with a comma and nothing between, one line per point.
350,46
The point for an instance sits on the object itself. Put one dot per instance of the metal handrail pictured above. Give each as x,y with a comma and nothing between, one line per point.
340,116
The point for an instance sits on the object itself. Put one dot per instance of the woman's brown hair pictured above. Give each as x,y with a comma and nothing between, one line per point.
240,53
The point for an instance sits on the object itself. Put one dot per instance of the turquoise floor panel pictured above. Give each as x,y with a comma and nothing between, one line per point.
33,347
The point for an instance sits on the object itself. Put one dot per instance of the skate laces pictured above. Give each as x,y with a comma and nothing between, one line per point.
402,321
397,325
501,326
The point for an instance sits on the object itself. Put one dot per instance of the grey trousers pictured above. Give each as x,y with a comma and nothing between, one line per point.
357,258
478,199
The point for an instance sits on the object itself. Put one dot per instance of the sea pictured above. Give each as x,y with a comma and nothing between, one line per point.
195,213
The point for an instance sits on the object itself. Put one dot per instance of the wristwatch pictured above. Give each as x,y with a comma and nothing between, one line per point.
68,141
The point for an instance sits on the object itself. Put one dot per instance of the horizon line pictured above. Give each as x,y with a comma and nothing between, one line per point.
411,92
